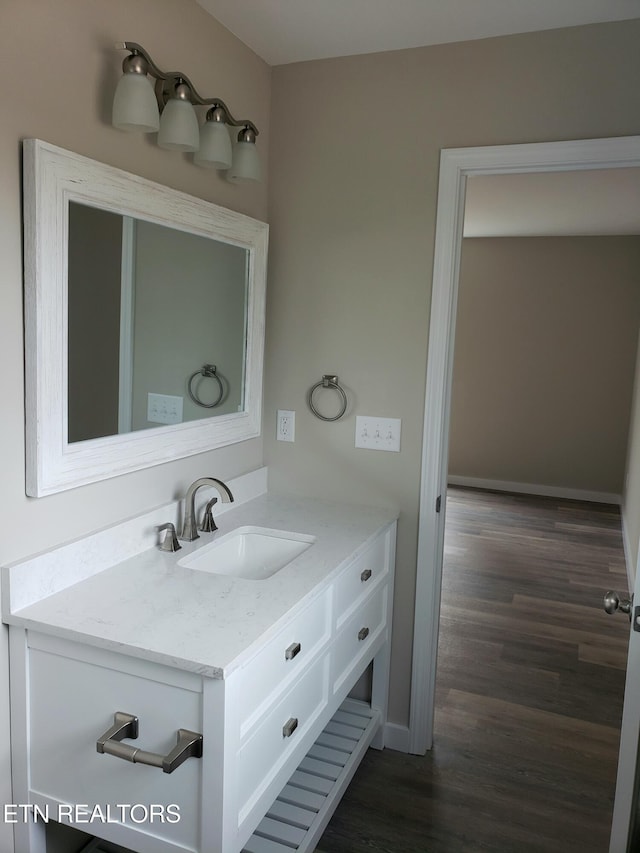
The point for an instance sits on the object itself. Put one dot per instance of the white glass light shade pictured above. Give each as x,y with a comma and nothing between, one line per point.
179,129
246,164
215,146
134,104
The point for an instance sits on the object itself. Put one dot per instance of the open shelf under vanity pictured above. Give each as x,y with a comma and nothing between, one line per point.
304,807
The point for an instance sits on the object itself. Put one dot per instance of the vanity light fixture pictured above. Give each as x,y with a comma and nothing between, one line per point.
179,129
168,108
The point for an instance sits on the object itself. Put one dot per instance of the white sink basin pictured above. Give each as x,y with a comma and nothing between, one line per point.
252,553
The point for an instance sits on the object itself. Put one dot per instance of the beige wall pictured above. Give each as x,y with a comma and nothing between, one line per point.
631,491
354,169
60,69
546,339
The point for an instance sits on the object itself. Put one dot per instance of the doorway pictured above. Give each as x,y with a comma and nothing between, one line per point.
456,166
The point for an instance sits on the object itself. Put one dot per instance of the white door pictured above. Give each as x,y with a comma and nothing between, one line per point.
625,831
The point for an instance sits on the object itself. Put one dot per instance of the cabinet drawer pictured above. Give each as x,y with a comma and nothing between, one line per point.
282,660
357,580
360,633
281,737
72,703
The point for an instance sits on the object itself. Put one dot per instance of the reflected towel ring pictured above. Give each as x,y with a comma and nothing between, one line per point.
210,371
328,381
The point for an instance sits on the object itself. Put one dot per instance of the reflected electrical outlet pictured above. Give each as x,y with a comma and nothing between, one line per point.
164,409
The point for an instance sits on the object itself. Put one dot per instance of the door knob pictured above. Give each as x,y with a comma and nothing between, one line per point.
613,602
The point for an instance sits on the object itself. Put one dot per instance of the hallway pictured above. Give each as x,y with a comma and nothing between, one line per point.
529,692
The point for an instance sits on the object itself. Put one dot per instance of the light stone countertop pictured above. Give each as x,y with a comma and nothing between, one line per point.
149,607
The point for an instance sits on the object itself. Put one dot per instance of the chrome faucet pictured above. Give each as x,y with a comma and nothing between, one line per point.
170,540
190,527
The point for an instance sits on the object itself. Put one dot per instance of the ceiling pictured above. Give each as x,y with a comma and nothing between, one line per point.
593,202
284,31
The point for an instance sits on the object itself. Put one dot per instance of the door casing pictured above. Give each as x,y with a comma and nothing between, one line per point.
456,165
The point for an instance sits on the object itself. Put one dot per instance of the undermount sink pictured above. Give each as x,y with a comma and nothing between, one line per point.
252,553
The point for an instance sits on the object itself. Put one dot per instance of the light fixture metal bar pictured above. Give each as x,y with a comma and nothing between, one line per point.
196,98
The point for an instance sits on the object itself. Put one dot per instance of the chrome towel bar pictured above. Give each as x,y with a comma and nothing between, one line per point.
328,381
210,371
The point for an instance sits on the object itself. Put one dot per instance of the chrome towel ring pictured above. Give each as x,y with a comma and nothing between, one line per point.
328,381
210,371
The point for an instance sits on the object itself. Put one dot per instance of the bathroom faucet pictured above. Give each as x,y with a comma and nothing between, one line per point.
170,540
190,528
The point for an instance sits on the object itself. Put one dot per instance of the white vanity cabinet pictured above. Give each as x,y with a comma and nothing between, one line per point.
281,739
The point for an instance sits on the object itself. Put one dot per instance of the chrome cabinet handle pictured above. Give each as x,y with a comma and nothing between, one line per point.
365,575
289,727
292,651
189,745
363,633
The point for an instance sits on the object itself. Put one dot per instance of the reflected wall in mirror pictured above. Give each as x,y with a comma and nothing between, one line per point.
148,306
144,321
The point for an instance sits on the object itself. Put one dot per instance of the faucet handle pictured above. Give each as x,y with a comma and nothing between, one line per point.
170,540
208,524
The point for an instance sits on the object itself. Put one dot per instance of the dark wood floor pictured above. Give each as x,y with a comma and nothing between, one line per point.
529,692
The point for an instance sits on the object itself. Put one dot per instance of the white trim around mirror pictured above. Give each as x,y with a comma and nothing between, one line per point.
52,178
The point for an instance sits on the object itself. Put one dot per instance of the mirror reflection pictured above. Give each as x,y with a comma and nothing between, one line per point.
157,325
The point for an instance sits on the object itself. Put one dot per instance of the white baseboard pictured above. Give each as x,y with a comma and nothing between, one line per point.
396,737
536,489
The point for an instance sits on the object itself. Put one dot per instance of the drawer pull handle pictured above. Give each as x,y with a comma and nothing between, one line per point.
292,651
363,633
188,745
289,727
365,575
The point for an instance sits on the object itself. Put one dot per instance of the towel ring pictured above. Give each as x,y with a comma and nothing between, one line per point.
328,381
210,371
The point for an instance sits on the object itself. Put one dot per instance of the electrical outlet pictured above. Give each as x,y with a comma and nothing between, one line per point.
164,409
286,430
378,433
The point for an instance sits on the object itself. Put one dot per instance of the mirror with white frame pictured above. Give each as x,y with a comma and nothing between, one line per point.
144,321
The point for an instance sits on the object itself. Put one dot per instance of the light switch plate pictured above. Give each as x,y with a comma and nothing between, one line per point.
378,433
164,409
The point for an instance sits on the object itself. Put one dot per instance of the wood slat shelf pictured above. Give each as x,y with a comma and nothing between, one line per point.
300,813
